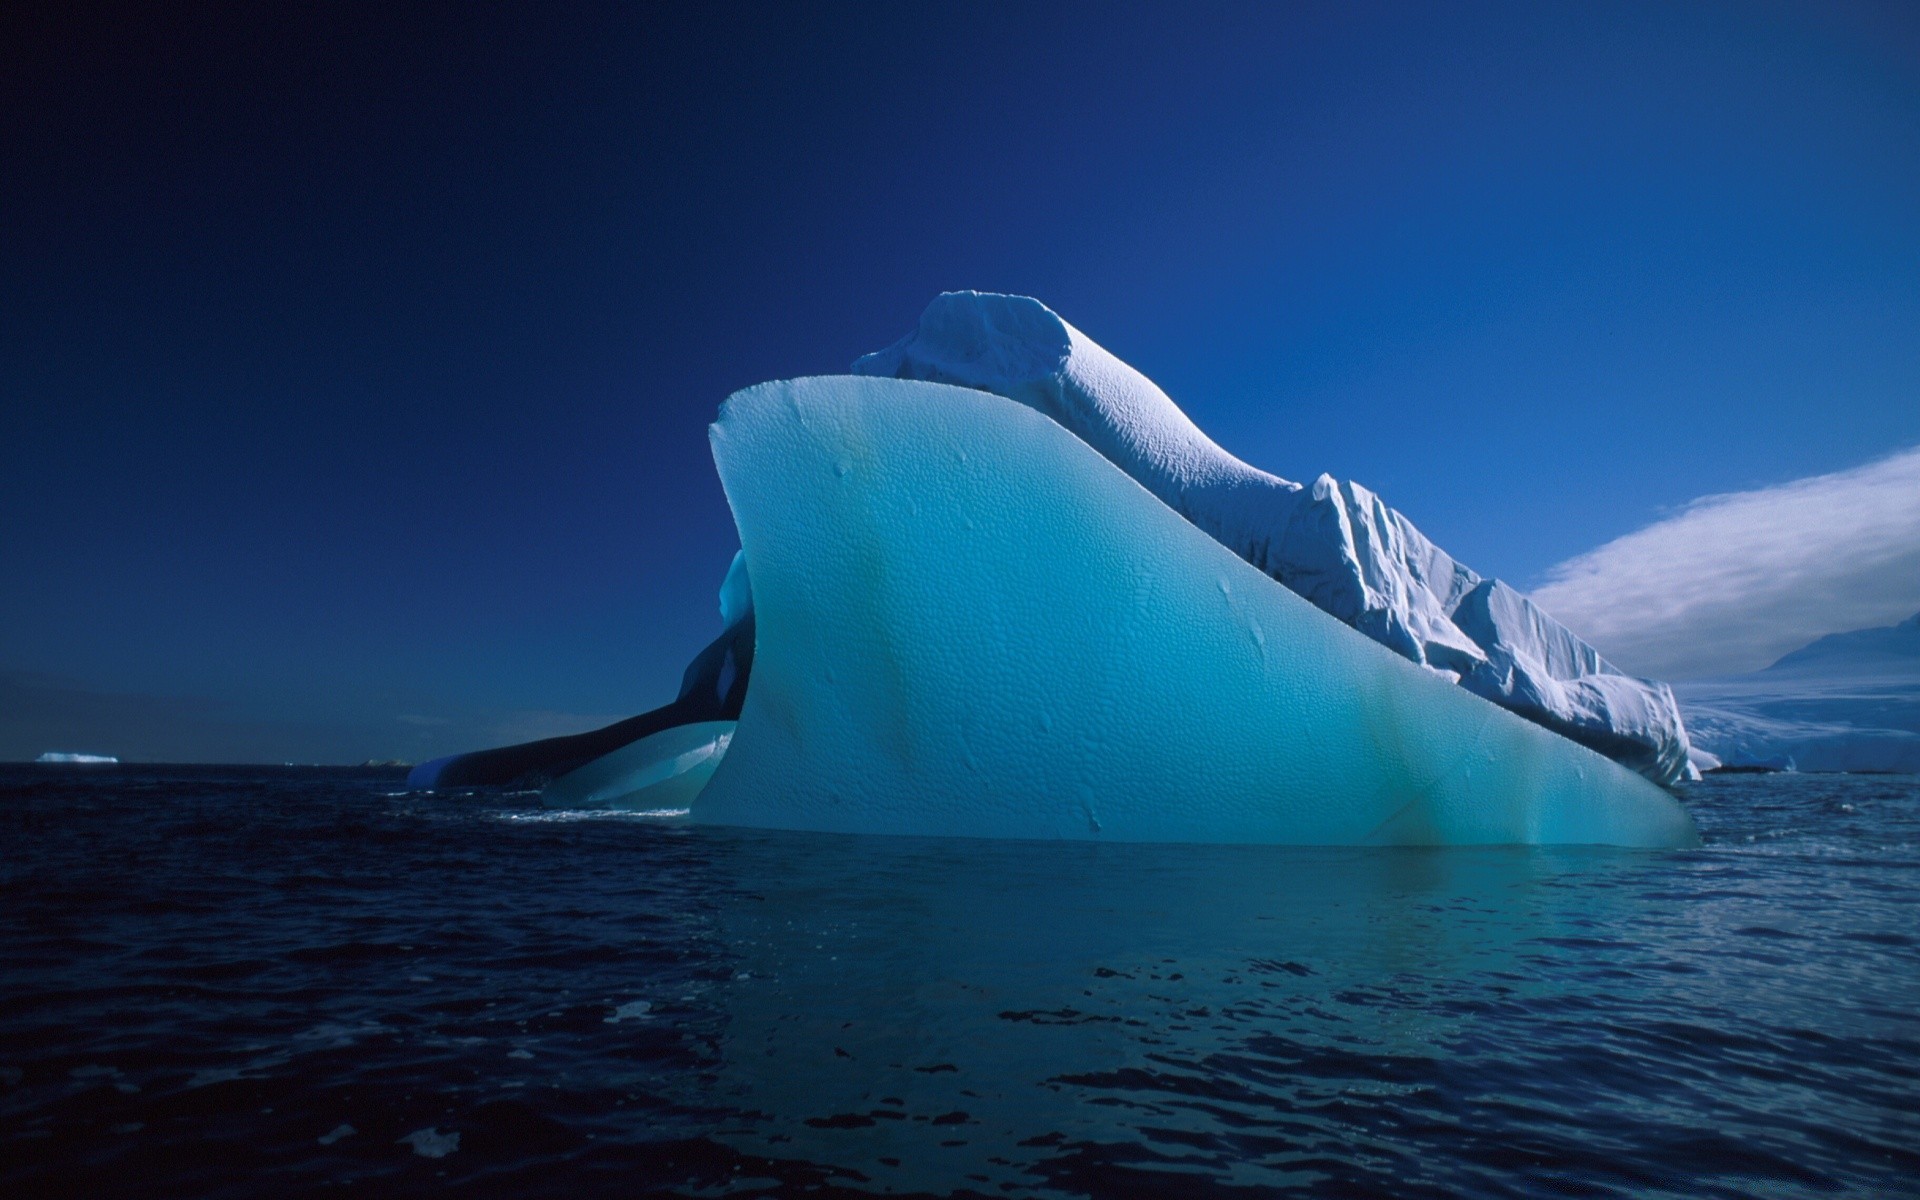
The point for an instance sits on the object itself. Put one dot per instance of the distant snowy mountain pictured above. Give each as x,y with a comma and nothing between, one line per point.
1847,702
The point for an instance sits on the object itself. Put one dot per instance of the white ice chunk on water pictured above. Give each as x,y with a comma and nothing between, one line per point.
1846,702
662,771
1337,544
970,623
630,1011
431,1143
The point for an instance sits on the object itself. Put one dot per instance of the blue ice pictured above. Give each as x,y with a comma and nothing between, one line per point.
971,623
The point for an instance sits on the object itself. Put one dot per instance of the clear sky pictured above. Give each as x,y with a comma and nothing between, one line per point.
355,361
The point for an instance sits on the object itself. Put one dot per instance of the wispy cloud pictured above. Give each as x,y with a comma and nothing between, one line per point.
1731,582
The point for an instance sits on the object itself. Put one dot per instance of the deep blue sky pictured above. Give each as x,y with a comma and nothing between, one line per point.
355,360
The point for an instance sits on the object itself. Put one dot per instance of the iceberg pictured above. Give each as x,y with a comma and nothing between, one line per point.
61,756
710,691
1846,702
996,584
971,621
661,772
1336,544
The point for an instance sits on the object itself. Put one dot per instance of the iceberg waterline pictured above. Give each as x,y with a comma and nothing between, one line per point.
1328,701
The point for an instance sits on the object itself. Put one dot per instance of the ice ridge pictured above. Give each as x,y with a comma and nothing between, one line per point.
1334,543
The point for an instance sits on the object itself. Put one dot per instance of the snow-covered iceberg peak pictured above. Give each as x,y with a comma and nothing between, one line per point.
1336,544
1017,347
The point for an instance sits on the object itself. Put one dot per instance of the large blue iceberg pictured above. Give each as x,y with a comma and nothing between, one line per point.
970,623
1002,587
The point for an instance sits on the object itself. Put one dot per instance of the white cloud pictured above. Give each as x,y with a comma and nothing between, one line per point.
1732,582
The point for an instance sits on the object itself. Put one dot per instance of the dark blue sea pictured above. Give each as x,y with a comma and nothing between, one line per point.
253,982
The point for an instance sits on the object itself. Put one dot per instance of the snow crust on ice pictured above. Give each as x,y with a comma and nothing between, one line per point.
1846,702
972,623
1336,544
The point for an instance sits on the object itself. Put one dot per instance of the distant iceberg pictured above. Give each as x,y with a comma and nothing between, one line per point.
60,756
1846,702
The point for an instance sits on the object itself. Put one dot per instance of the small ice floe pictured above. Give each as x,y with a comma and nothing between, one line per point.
339,1132
431,1143
519,1054
632,1010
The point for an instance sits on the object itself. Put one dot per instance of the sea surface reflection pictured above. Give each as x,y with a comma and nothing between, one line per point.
237,982
1104,1016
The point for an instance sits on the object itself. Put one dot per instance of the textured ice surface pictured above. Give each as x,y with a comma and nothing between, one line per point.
971,623
1847,702
736,596
1334,543
664,770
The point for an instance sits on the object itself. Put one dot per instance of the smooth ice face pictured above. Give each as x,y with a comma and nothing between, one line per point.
736,594
970,623
1337,544
665,770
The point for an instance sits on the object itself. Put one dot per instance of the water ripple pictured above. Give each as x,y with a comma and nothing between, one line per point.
248,982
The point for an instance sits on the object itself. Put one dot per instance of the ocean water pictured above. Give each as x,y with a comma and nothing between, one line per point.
252,982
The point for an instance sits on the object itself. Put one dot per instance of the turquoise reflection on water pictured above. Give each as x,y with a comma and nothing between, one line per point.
918,1012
